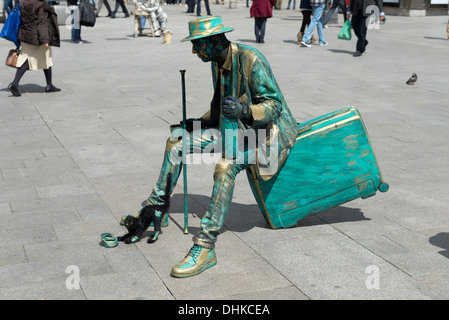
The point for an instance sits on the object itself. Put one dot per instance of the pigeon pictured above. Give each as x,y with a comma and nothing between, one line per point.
412,79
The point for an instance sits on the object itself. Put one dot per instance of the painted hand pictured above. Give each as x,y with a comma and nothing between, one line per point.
234,109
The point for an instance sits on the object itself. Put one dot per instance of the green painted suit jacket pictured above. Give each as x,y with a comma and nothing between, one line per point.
247,75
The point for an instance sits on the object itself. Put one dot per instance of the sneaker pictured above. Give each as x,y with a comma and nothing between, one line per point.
196,261
305,44
325,26
323,43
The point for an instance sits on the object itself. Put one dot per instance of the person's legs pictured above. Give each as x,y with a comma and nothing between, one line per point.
257,24
318,13
20,72
222,193
198,7
48,78
7,4
124,9
328,15
98,7
316,17
114,12
359,26
448,30
76,27
263,25
172,162
206,4
202,255
108,7
304,24
14,85
342,5
305,20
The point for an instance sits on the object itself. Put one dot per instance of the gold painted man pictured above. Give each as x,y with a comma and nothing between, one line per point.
247,95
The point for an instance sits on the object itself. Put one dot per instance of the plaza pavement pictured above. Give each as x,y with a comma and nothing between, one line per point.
72,163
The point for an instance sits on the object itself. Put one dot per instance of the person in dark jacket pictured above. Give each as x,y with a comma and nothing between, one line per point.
358,9
261,10
38,32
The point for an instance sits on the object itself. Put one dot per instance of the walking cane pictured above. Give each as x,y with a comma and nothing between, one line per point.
184,149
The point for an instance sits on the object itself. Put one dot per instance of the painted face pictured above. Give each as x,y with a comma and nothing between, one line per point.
207,49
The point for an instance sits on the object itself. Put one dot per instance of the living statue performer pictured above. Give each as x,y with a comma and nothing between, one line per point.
245,94
158,17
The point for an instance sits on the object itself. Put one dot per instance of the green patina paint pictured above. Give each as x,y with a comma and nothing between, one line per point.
330,164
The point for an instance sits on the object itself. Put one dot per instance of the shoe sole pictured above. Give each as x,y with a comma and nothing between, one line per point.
206,266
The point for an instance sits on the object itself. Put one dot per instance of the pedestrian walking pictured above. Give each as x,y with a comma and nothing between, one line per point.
317,12
36,42
261,10
357,8
306,10
73,6
198,7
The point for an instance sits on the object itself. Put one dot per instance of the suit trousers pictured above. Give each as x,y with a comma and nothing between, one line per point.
360,29
207,143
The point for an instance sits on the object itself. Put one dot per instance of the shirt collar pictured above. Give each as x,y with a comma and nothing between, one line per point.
228,62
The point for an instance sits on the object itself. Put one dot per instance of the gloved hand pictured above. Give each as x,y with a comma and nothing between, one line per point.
234,109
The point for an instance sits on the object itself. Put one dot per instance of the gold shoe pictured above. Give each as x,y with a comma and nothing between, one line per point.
313,39
196,261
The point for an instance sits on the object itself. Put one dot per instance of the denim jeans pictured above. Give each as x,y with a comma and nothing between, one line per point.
337,3
316,21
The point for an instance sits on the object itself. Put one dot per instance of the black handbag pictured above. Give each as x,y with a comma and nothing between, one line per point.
87,14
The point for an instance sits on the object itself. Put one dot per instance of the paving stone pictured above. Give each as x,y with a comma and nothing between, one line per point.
73,162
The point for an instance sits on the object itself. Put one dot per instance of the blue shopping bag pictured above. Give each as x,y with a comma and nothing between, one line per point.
11,27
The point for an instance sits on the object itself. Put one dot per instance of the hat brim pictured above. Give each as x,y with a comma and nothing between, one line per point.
204,35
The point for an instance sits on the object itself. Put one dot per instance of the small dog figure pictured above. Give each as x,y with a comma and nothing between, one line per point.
136,226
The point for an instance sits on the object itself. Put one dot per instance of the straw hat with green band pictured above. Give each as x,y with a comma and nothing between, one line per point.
205,26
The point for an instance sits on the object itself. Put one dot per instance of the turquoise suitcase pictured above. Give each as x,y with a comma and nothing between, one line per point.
332,162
